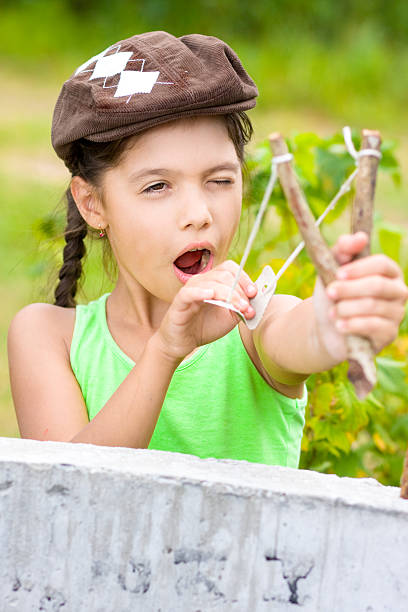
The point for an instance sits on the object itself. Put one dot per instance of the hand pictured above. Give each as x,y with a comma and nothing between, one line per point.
190,322
367,298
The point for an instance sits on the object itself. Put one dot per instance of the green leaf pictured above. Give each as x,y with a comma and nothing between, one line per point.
333,168
341,440
390,238
399,429
392,376
307,140
322,398
322,467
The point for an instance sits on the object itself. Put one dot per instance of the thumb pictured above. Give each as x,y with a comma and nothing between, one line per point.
349,245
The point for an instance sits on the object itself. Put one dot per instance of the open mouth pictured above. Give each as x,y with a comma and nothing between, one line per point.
192,262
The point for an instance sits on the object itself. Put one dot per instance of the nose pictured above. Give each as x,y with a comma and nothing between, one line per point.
194,211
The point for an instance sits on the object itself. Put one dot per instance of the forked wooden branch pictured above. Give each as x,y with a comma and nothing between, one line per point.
360,354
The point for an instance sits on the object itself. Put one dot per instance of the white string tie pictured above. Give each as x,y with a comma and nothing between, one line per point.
278,159
281,159
352,150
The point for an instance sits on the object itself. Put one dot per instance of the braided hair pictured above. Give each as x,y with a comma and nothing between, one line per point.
89,160
74,250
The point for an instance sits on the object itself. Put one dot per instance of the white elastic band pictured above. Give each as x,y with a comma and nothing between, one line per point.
269,188
343,189
281,159
372,152
352,150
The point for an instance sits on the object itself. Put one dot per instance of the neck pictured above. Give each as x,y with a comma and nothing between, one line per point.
133,305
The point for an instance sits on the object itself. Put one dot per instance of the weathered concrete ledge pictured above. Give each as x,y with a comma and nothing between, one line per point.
95,529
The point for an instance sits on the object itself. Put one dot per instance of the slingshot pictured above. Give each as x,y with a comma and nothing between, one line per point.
360,353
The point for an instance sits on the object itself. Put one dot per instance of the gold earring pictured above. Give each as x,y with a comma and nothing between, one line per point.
102,232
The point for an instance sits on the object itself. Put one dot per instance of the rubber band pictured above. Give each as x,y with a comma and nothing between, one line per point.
257,223
278,159
281,159
352,150
372,152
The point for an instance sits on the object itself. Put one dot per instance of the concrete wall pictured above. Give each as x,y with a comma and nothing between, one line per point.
88,528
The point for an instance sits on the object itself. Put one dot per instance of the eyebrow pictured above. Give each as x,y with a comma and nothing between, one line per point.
145,172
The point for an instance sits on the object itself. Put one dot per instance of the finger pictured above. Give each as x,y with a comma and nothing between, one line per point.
226,274
380,331
373,264
239,300
388,309
219,277
374,286
245,280
349,245
190,295
219,291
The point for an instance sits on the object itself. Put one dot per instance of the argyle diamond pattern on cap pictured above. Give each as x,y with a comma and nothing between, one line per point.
131,82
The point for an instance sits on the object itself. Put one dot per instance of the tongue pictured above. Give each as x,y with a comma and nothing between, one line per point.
188,259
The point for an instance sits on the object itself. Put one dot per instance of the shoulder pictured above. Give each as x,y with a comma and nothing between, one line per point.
278,305
46,395
43,322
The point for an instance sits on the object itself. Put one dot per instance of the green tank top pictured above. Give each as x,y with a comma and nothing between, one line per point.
217,403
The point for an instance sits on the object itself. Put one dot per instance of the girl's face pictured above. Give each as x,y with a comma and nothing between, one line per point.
173,203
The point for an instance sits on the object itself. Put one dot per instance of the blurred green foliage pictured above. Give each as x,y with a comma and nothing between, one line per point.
338,57
322,19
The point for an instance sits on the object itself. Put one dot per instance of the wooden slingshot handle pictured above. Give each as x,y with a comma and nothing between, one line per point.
360,354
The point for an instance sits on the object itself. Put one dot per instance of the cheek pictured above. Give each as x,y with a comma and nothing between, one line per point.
136,234
236,209
229,222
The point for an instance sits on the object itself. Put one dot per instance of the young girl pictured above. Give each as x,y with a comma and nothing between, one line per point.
152,130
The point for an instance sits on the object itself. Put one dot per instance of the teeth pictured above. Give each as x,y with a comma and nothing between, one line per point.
205,259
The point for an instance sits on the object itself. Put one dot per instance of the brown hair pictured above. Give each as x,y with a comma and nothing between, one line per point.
90,160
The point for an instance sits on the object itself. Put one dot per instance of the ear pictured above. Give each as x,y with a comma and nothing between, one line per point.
88,203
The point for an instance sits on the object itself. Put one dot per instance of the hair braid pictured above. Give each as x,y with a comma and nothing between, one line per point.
74,250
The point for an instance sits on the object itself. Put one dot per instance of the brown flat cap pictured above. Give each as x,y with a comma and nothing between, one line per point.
145,80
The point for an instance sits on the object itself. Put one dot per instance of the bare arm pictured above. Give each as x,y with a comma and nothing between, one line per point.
130,415
49,403
287,341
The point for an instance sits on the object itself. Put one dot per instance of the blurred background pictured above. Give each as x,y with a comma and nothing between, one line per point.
318,65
